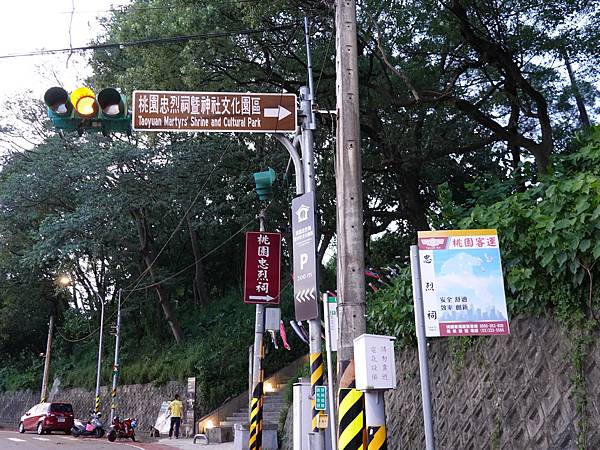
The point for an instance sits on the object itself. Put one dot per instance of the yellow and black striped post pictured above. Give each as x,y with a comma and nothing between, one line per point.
376,438
97,407
351,410
317,370
256,408
375,420
255,439
113,395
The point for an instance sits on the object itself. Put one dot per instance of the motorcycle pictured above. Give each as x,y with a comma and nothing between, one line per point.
122,429
92,427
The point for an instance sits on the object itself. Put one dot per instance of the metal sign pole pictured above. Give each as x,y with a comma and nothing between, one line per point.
422,344
255,440
97,404
113,394
332,427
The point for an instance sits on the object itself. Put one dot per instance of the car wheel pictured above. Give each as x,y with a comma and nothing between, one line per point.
40,428
21,427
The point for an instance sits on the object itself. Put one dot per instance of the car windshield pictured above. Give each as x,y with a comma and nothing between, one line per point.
61,407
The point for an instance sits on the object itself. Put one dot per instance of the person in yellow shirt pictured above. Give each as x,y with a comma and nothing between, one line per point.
175,410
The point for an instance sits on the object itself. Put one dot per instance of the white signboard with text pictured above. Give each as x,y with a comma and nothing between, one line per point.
462,283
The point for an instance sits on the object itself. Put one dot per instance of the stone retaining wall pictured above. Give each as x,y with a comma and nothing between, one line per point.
139,400
502,392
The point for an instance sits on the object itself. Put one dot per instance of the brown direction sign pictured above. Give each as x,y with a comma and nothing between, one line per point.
214,112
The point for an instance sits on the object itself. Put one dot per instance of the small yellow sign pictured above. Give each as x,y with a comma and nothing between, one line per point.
322,421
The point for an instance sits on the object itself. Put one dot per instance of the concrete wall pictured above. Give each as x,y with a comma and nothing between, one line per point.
140,400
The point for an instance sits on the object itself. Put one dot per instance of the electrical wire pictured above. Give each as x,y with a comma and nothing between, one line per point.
131,8
145,272
151,41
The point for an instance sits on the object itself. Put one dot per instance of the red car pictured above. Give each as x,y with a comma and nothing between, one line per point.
48,417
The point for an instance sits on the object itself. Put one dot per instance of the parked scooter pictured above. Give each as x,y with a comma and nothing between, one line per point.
92,427
122,429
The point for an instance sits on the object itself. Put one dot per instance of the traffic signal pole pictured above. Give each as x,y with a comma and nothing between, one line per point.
115,380
317,366
44,394
256,405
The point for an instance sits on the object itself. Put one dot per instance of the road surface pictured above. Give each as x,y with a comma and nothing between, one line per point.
13,440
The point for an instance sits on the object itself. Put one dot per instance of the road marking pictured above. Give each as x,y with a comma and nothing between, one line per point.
16,439
134,446
41,439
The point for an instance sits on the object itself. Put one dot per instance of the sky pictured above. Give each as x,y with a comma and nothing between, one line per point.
32,25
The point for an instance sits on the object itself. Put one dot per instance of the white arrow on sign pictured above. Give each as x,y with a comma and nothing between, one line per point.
280,112
266,298
305,295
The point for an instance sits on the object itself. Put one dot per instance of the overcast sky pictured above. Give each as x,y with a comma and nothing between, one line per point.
32,25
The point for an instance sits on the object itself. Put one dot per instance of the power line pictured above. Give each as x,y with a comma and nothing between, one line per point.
150,41
130,8
140,277
156,283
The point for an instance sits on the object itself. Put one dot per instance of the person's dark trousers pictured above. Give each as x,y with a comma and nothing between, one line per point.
175,422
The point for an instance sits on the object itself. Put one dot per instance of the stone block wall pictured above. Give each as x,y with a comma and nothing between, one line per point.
509,392
502,392
139,400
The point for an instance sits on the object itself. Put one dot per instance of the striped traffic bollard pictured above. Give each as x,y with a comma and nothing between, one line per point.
351,411
97,408
316,379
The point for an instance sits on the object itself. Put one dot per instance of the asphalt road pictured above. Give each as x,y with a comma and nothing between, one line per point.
13,440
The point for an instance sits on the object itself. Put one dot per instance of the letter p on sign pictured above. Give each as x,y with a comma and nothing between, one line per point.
303,260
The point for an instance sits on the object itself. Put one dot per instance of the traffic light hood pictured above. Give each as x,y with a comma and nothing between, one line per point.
57,100
112,103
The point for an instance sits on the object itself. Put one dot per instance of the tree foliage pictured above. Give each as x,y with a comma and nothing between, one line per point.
468,109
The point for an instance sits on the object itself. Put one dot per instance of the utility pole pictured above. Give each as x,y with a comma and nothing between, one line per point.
44,394
256,406
97,402
350,240
115,380
350,245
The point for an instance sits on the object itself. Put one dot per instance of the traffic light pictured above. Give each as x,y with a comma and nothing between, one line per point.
264,183
82,110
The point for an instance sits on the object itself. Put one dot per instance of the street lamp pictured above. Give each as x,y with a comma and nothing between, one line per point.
63,280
